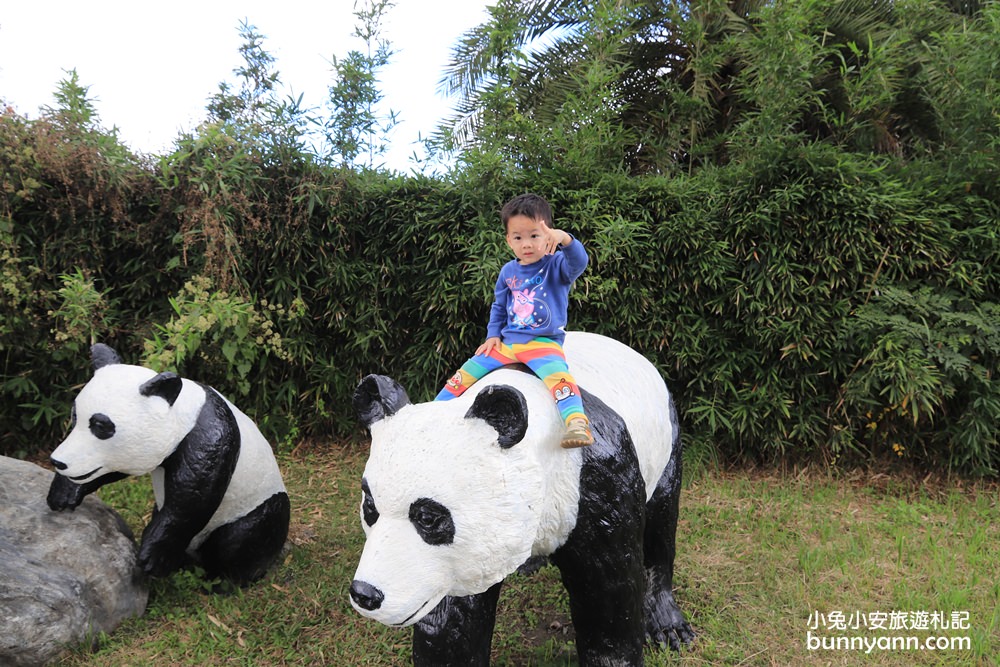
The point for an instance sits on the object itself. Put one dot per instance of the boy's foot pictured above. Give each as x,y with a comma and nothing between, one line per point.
577,434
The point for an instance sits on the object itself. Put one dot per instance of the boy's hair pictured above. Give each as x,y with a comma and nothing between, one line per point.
529,205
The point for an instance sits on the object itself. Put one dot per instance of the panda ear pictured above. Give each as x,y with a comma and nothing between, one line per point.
378,397
503,408
101,355
166,385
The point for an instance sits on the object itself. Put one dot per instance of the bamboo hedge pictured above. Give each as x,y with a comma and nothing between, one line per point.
805,304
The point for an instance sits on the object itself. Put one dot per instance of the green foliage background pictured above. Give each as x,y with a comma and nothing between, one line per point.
803,297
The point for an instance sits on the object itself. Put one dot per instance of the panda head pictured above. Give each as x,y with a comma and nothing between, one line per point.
126,420
450,502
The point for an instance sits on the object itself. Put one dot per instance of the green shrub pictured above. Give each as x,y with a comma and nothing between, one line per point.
928,379
804,299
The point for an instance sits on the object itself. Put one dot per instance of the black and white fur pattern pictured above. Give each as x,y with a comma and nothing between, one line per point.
220,499
458,494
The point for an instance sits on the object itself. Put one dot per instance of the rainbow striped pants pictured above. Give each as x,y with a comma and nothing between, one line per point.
543,356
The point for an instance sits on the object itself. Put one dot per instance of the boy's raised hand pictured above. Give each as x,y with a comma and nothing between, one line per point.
554,238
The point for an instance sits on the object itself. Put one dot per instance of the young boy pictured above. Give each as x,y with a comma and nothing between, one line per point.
528,316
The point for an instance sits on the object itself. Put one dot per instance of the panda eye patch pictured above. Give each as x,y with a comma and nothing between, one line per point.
101,426
433,521
368,509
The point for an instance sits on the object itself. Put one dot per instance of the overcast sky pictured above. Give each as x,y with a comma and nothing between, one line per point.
151,67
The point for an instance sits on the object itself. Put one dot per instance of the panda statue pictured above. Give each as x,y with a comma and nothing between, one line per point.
220,499
456,495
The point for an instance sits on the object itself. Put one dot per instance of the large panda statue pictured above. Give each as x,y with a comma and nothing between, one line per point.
456,495
220,499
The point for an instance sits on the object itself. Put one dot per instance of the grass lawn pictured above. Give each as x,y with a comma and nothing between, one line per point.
763,560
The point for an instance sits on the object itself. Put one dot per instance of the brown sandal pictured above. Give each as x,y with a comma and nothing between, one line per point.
577,434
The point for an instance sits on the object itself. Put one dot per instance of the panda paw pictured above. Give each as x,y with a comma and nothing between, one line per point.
673,637
158,562
666,625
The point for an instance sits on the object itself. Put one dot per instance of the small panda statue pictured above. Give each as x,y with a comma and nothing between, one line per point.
456,495
220,499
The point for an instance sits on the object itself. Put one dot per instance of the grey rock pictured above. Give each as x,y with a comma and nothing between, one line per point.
65,577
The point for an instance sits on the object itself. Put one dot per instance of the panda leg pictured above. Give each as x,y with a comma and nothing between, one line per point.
601,562
243,550
605,585
458,632
665,623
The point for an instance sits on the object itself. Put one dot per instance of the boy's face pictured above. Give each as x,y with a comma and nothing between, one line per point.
526,237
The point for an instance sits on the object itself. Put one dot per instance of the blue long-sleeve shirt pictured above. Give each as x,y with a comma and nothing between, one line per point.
531,301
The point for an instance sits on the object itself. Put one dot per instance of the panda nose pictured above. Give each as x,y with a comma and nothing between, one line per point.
58,464
366,596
